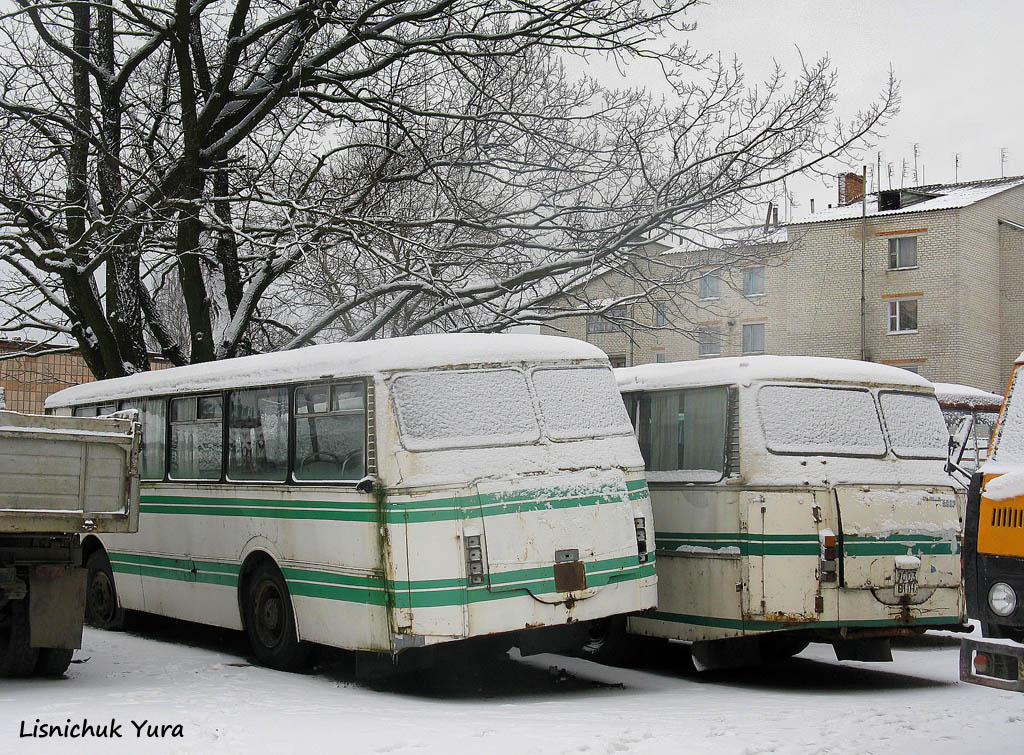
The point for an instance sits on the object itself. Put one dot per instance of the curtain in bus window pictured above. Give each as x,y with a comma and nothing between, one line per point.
196,438
330,432
686,432
258,434
153,416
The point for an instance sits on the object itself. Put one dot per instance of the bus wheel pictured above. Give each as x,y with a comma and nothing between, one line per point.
270,622
16,657
53,661
608,643
101,607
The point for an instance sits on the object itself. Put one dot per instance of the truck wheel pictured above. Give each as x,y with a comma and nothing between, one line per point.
53,661
16,657
270,622
101,606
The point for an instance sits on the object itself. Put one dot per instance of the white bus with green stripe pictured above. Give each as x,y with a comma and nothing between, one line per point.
381,496
796,499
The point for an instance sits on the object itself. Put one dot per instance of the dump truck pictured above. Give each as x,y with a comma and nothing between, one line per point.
60,477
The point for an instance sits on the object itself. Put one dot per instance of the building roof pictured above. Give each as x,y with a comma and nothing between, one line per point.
931,197
336,360
746,370
697,240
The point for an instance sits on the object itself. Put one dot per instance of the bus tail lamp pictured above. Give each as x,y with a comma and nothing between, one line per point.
829,559
641,539
475,559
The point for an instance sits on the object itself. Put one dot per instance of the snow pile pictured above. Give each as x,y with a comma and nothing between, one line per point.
1005,487
966,397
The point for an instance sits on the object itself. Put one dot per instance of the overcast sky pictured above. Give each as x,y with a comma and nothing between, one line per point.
960,66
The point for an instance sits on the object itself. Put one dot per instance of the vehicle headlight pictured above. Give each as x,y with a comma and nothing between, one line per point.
1002,599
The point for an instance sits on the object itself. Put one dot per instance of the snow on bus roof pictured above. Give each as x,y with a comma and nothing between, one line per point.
336,360
745,370
966,397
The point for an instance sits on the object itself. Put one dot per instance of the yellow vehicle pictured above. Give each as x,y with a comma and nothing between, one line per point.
994,551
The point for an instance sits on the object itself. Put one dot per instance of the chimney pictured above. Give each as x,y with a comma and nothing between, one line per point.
851,188
812,205
768,217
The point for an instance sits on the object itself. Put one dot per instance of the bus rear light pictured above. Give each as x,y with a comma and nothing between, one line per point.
639,523
829,556
981,664
828,576
475,559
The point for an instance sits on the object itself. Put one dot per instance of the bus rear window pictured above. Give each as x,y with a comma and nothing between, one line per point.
820,421
915,424
580,402
462,409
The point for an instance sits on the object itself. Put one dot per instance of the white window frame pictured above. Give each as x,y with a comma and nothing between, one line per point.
895,253
710,284
747,341
660,315
893,315
748,272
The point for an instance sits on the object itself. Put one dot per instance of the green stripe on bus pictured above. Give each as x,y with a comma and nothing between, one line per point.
371,589
725,623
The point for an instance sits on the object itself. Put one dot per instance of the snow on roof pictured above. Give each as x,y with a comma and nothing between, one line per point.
746,370
697,240
946,196
337,360
966,397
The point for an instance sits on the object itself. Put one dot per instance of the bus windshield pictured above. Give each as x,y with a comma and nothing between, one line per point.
1009,444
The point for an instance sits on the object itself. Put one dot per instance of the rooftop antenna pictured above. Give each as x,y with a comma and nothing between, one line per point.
917,151
903,173
1003,153
878,171
956,167
889,168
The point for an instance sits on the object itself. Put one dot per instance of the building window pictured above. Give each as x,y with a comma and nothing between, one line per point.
753,281
606,323
660,357
617,361
753,338
709,342
903,253
710,285
903,316
660,317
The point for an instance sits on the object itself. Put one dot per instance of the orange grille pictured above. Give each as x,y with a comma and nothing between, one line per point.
1008,516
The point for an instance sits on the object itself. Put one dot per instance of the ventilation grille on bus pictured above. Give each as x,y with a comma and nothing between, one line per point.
1008,516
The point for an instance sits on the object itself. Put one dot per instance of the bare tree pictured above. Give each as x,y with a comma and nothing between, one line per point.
284,171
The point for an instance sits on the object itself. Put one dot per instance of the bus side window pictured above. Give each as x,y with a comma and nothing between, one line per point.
258,434
196,438
330,432
685,431
153,416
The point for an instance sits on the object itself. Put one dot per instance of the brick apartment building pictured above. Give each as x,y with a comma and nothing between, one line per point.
943,279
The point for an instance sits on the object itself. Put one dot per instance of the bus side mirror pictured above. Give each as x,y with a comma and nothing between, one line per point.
957,446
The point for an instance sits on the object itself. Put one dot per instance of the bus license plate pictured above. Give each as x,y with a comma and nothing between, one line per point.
906,581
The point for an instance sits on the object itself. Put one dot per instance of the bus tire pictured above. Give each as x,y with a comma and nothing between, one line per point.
53,661
270,620
102,608
16,657
608,643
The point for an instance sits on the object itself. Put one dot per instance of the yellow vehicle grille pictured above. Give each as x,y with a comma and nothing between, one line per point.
1008,516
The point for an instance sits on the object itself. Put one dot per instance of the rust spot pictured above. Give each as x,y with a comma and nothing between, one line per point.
789,618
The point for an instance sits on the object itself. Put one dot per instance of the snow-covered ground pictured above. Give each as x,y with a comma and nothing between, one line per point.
174,673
